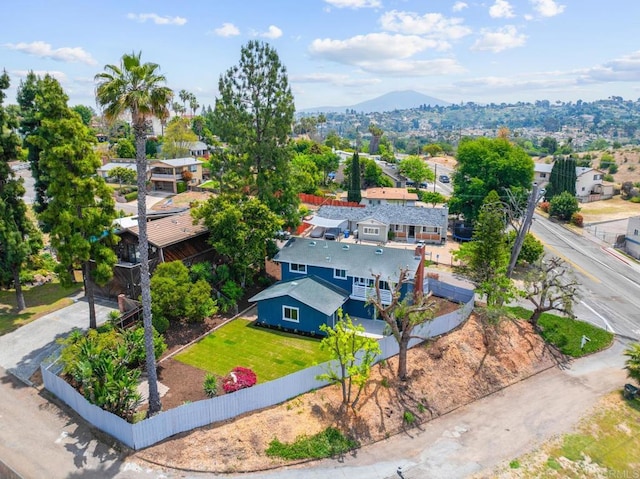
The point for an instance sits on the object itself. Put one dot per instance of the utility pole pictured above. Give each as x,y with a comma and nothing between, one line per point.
524,229
435,175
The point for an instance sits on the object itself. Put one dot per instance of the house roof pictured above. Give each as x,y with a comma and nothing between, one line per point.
389,194
177,162
357,259
310,290
172,229
542,167
581,170
198,145
388,214
111,166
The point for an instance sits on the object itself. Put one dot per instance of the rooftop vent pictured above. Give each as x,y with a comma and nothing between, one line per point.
312,243
345,247
379,251
328,258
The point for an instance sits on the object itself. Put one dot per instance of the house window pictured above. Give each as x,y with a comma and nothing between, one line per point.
340,273
597,177
290,314
583,188
398,228
297,268
635,232
429,229
543,175
367,230
193,168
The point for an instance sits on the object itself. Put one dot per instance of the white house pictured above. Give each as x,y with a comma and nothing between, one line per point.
632,238
588,183
542,173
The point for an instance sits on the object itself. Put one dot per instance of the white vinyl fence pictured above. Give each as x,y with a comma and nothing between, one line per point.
200,413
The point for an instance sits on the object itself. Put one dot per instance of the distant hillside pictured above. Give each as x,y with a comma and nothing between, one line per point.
395,100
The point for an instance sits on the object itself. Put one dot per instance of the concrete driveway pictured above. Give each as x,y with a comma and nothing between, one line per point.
22,350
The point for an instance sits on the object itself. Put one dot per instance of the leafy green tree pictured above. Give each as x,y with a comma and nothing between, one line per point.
486,257
433,197
563,206
304,174
373,174
402,316
562,178
354,193
138,88
414,168
175,297
253,115
355,354
550,286
123,175
81,208
376,134
19,238
486,164
239,229
532,248
632,365
432,149
177,138
86,114
549,144
125,148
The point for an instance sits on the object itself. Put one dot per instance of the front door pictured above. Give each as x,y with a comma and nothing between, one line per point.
412,232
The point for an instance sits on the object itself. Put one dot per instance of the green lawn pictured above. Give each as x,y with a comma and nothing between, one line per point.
270,354
566,333
40,301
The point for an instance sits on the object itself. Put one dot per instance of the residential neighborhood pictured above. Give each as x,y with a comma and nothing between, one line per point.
200,277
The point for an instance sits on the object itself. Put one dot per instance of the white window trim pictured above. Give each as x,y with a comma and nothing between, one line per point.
304,267
292,308
371,230
337,276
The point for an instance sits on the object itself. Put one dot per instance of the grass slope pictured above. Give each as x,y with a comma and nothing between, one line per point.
270,354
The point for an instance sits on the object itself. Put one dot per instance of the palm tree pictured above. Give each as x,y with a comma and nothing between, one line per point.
137,88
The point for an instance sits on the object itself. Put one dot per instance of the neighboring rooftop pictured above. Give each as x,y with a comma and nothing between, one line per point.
172,229
357,259
177,162
389,194
388,214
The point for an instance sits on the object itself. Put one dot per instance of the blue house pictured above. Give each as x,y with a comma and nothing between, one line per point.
319,277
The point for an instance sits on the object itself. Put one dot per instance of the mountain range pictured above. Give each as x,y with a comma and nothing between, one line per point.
395,100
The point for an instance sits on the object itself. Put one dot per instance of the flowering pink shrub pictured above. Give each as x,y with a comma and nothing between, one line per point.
238,378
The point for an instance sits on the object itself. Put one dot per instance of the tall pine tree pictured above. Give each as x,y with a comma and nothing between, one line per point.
80,207
19,238
563,178
354,194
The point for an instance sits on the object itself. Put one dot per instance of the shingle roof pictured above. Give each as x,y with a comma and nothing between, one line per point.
314,292
542,167
389,214
171,230
358,260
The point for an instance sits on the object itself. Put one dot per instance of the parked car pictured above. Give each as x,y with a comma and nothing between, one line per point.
444,179
317,232
332,234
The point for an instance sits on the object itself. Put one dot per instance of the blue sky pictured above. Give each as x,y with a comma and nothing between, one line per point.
340,52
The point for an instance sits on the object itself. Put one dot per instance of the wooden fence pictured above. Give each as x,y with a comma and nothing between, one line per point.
322,201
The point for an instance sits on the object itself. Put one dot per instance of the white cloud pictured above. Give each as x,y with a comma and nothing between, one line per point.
371,47
459,6
354,3
58,75
273,32
499,40
427,24
547,8
157,19
625,69
44,50
227,30
416,68
501,9
334,79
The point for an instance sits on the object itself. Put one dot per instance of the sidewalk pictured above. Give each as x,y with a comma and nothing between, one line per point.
22,350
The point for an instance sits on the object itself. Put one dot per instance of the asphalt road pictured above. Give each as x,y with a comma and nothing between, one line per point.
610,291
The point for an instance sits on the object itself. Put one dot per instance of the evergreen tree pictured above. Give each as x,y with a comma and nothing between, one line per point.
354,194
80,207
563,178
19,238
254,115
